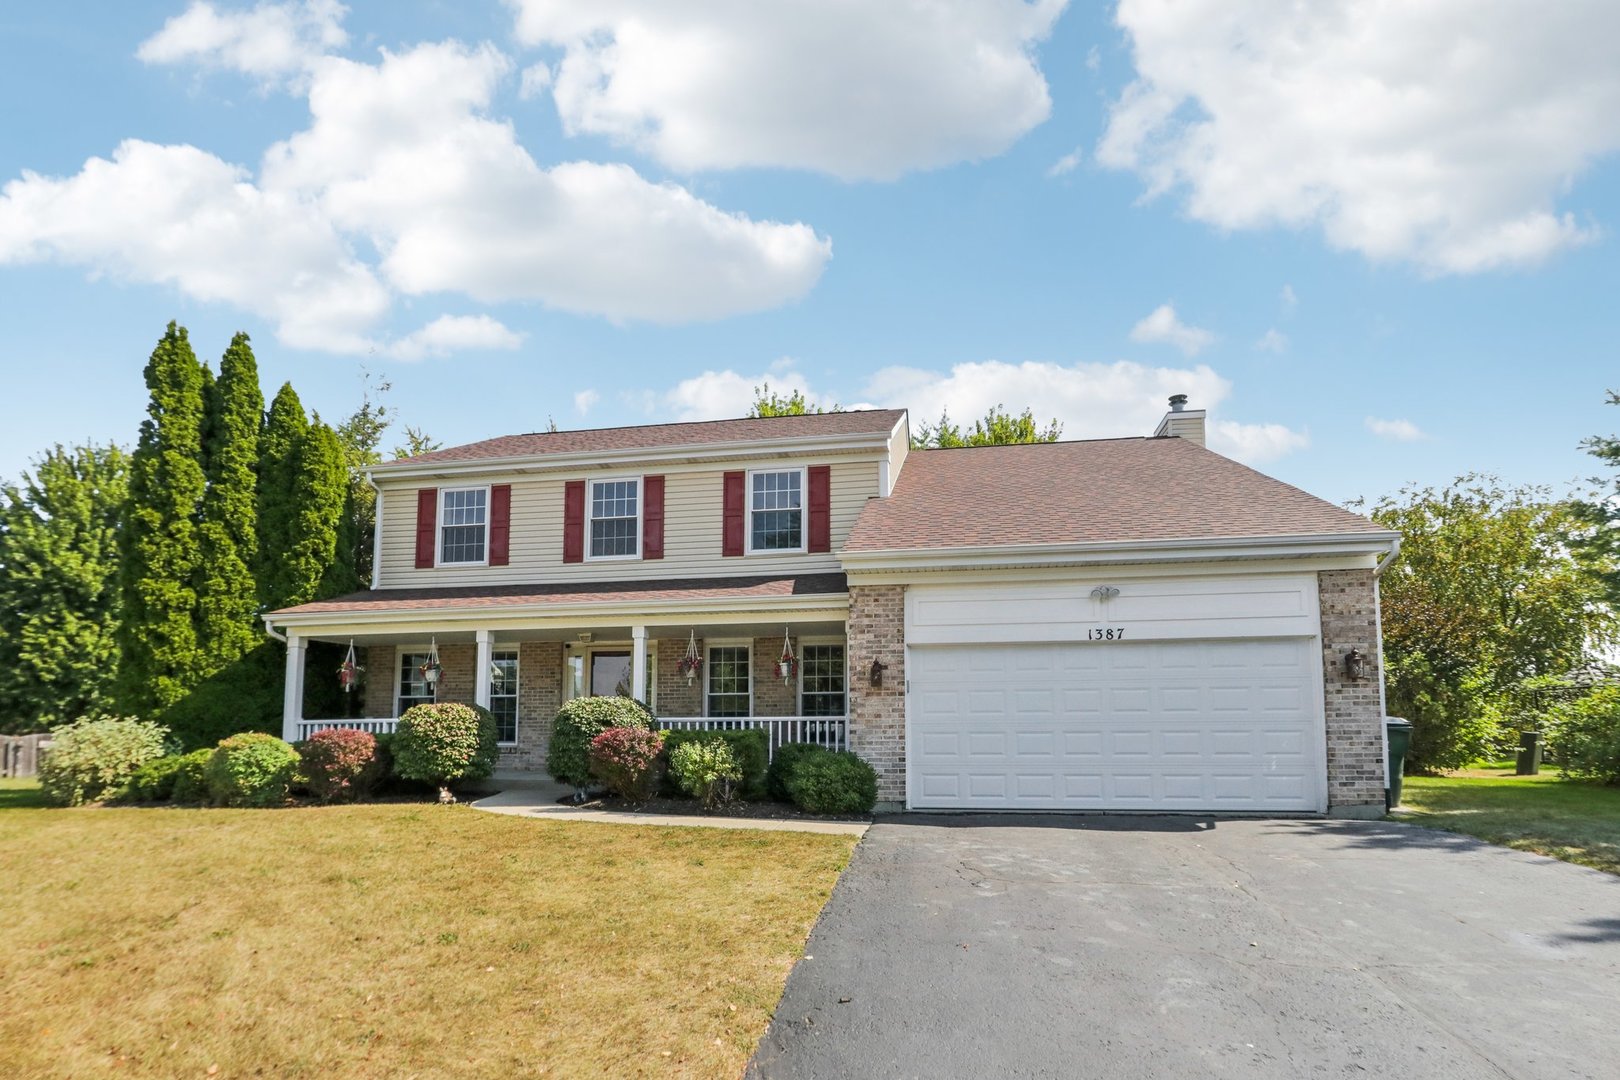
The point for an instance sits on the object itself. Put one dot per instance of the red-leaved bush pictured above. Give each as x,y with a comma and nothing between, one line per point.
625,759
340,764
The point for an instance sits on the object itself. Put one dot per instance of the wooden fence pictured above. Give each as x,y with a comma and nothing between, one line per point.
19,754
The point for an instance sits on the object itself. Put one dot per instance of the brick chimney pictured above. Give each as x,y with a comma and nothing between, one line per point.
1181,422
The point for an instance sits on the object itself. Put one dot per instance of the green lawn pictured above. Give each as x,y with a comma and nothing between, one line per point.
1578,823
391,940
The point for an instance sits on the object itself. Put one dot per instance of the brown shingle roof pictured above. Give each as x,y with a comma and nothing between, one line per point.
595,592
1086,492
655,436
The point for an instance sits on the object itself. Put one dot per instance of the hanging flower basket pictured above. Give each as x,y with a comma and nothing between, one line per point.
430,668
349,672
787,665
691,664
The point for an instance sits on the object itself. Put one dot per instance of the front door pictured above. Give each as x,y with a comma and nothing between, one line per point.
610,674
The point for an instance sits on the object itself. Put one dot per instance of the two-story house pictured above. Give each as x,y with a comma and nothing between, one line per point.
1110,624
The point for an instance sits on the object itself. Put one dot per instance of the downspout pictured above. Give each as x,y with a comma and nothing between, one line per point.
1378,620
376,531
1383,564
271,631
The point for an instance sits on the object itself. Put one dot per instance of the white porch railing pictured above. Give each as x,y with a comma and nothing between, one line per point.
374,725
829,731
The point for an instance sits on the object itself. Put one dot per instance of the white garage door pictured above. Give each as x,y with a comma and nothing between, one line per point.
1166,725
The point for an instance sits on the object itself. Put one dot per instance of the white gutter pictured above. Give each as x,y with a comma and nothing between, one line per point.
1247,547
376,532
691,452
757,605
1383,564
271,631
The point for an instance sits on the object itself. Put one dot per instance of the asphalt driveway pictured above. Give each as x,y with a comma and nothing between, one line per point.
1180,948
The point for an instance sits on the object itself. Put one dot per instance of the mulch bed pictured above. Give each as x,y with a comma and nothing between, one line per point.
774,811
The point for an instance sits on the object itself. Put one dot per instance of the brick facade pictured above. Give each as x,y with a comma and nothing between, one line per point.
677,697
381,675
539,697
877,717
1355,714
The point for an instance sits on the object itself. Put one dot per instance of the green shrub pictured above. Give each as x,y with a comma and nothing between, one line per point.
96,758
748,747
191,778
339,763
581,720
1584,736
833,783
626,760
706,769
787,756
443,743
250,769
154,781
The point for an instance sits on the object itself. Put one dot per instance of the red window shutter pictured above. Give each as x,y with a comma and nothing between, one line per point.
820,507
731,531
500,524
652,517
427,519
574,521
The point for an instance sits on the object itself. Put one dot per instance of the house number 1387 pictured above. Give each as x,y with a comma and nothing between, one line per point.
1109,633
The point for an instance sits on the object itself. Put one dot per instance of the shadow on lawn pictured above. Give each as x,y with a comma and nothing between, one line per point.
20,796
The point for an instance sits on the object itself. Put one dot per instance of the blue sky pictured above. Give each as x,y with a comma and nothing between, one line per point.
1377,243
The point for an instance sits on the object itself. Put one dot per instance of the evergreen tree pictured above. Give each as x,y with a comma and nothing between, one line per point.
284,432
157,634
227,594
314,570
59,587
210,421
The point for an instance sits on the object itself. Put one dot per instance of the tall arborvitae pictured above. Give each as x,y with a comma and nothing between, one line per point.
157,635
210,420
226,591
314,569
59,587
284,432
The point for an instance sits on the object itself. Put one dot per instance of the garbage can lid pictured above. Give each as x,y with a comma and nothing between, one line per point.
1395,721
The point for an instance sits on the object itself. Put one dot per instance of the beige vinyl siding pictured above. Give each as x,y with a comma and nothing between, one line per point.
899,447
692,510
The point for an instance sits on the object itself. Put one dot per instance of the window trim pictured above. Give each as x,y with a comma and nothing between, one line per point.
746,644
515,695
804,512
400,651
439,526
641,510
799,697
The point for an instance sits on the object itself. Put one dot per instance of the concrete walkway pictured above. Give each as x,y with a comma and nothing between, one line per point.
534,797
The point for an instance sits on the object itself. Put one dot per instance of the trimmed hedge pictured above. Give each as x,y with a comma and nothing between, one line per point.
748,746
626,760
580,720
339,763
251,769
787,756
191,777
833,783
707,769
445,742
154,781
95,759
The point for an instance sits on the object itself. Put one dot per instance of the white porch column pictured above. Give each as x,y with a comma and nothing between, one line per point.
292,701
486,656
638,663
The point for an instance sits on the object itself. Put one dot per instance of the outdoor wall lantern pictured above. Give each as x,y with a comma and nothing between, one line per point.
876,676
1355,664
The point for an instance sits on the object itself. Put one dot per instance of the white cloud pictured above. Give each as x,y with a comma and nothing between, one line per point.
1289,300
401,159
1254,443
717,395
1093,59
270,40
1395,430
455,333
847,87
1442,133
536,78
1163,326
585,401
1273,340
1065,164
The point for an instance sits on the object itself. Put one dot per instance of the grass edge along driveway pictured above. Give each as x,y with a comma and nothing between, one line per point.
1575,822
392,940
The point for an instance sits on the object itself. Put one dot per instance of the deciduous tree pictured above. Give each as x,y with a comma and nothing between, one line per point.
998,428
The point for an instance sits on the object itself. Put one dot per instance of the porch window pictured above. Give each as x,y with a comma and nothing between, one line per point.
615,525
463,528
503,694
822,686
413,689
728,686
776,511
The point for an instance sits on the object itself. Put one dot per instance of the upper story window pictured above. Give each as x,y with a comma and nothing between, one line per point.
615,519
463,526
776,511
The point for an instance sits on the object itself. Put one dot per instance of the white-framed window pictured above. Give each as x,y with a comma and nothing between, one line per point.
613,526
503,694
728,688
464,526
776,510
410,688
823,679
